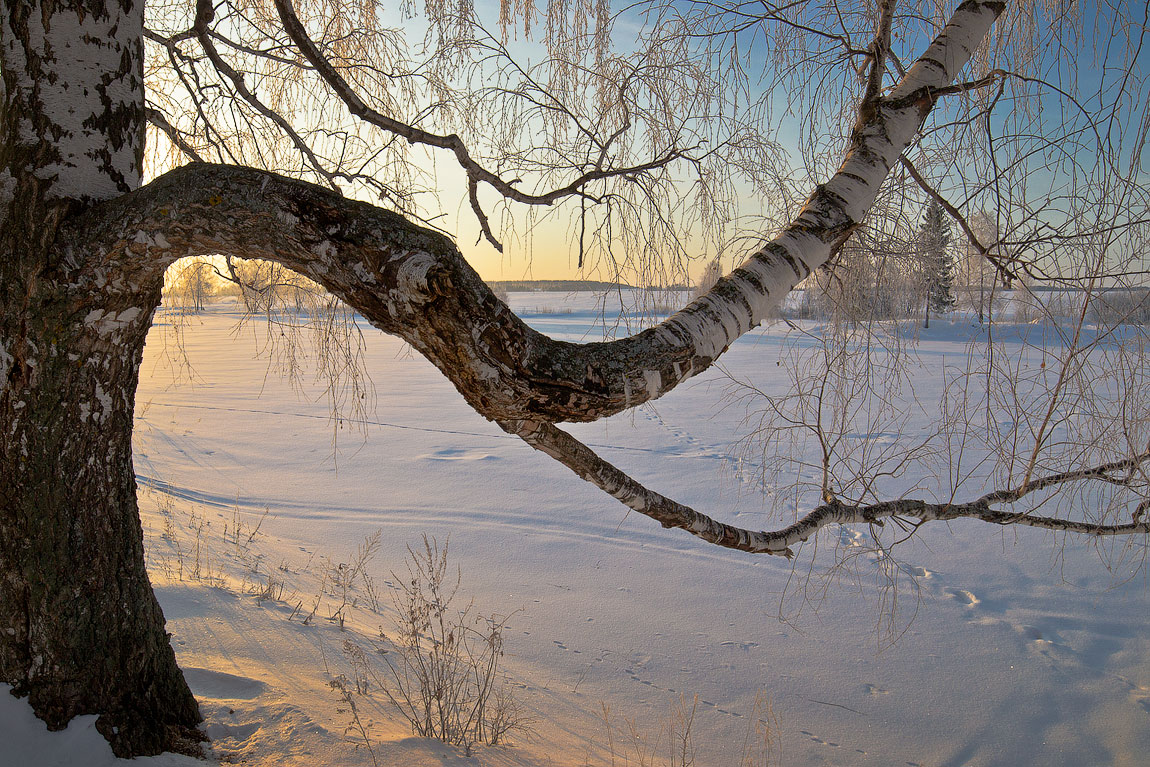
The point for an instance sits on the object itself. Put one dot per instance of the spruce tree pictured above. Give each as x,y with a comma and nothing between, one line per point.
937,261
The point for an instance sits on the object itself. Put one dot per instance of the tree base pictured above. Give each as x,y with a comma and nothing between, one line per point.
132,740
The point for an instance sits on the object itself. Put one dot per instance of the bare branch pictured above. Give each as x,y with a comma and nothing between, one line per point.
1000,263
558,444
205,14
475,171
156,118
879,50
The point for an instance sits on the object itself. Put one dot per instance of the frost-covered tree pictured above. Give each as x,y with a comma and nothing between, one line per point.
712,273
291,117
976,277
193,285
937,262
873,278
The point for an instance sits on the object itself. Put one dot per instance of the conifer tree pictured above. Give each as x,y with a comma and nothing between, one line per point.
937,260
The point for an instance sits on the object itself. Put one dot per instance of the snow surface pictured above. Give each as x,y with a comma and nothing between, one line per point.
1021,651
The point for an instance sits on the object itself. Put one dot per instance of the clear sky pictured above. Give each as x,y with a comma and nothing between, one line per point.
543,243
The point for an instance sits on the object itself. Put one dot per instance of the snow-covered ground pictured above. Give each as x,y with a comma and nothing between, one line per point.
1016,650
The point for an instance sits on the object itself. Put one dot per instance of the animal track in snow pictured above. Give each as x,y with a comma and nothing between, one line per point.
459,454
740,645
851,538
962,596
1033,633
816,739
695,448
239,732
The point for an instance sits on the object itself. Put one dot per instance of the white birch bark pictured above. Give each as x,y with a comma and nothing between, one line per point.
583,461
81,126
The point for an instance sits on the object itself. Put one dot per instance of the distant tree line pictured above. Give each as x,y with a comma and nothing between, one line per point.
556,286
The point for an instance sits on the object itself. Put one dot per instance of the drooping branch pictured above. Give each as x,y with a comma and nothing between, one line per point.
558,444
414,282
476,172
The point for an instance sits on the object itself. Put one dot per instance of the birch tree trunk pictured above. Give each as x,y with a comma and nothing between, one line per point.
80,629
82,256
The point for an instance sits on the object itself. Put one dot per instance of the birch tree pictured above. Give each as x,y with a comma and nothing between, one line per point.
272,118
193,285
977,277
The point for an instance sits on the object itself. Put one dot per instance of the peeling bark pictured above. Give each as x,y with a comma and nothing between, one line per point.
80,629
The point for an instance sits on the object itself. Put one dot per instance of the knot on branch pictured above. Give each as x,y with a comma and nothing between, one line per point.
415,277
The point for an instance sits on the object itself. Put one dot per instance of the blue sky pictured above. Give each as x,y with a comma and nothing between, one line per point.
1091,61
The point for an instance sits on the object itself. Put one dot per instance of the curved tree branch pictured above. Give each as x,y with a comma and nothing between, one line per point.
414,283
476,173
558,444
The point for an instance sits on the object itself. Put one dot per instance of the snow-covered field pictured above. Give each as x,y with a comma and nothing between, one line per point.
1016,650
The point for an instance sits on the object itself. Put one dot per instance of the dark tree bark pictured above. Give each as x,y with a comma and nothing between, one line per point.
80,629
